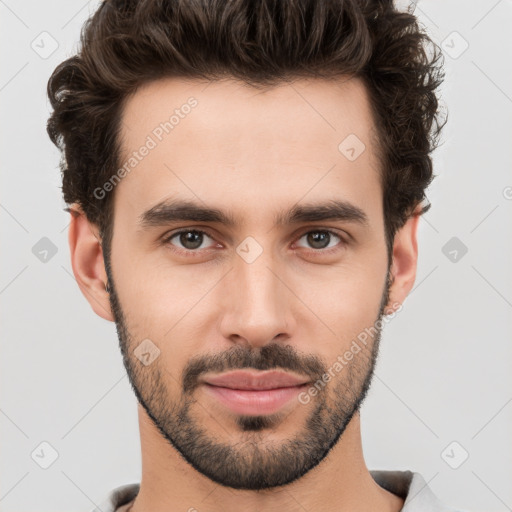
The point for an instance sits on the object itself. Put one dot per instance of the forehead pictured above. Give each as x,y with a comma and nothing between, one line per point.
226,141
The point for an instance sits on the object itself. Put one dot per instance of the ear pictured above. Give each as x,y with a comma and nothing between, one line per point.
87,262
404,263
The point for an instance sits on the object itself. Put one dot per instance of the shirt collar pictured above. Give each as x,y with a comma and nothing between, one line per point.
408,485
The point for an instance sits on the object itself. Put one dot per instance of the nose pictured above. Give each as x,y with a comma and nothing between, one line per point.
256,302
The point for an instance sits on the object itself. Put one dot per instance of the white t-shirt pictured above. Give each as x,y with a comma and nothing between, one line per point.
408,485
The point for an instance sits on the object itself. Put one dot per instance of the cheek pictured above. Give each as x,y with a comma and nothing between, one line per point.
172,313
153,292
348,302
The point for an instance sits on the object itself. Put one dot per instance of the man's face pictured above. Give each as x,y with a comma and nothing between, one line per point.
252,294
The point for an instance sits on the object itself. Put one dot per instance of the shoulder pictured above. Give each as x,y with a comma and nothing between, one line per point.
413,488
118,497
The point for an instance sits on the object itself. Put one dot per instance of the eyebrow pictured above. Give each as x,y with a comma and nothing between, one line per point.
168,211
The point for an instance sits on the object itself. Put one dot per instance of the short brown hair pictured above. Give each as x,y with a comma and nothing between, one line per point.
127,43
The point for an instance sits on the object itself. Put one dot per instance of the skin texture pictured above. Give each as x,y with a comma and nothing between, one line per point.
251,153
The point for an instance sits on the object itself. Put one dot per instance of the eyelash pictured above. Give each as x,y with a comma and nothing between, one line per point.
193,253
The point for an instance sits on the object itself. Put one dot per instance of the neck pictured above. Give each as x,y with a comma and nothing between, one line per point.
341,482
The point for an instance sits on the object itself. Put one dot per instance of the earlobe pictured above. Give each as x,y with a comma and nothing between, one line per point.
404,263
87,263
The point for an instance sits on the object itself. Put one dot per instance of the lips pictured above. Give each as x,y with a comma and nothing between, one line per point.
257,381
254,393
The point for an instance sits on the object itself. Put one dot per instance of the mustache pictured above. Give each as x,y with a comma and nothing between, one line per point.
269,357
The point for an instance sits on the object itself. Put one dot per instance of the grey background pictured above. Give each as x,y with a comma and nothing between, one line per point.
444,371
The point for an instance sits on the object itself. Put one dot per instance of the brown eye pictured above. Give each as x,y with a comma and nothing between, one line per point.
189,239
322,239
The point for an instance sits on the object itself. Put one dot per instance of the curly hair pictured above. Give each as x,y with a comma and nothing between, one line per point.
127,43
